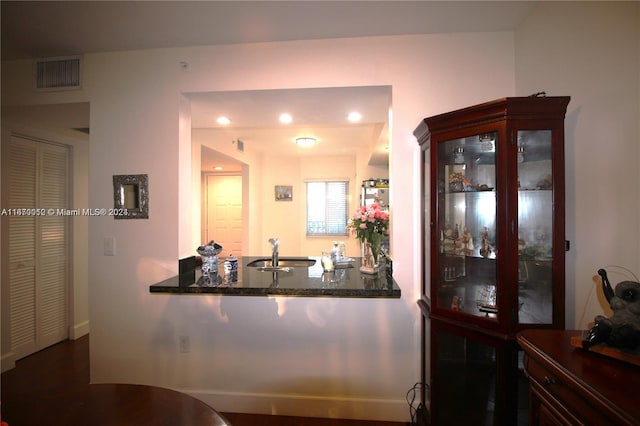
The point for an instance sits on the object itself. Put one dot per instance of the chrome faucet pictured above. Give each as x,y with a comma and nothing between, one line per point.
275,242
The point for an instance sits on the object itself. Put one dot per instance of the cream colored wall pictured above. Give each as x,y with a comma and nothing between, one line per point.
281,219
591,52
327,357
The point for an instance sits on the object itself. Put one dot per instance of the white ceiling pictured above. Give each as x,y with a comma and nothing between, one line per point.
56,28
320,113
62,28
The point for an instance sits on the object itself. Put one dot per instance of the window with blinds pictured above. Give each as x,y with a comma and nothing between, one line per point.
327,208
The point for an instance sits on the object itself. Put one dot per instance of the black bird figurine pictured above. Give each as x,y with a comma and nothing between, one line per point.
622,330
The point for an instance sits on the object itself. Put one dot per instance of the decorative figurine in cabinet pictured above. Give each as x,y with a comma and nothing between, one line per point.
494,237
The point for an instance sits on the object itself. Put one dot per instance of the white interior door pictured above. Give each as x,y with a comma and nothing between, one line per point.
37,186
223,204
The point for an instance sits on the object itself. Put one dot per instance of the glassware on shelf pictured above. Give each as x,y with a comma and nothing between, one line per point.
327,261
493,211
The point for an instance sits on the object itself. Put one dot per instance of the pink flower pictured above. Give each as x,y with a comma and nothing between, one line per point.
369,223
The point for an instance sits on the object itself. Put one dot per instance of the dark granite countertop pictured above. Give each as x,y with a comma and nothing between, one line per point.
300,281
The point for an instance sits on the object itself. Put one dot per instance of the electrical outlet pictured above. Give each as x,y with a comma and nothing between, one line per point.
184,344
109,246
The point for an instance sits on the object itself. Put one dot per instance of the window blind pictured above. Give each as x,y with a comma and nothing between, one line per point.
327,208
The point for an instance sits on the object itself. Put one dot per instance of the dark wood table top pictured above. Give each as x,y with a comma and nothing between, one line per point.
608,383
108,404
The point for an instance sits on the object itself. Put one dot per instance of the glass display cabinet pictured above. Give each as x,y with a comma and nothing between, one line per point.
493,241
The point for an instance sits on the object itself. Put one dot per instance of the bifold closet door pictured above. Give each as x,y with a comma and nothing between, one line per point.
37,187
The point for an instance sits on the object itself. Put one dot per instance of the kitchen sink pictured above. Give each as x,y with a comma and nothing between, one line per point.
283,262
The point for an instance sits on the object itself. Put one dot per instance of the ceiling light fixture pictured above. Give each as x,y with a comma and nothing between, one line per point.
285,118
223,121
306,142
354,116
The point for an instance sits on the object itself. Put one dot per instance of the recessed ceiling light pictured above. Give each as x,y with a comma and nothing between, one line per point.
217,168
354,116
306,142
285,118
223,121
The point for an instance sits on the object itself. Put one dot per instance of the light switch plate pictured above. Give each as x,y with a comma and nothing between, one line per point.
109,246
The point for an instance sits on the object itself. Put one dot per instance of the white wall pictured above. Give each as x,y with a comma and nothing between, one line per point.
591,53
335,357
326,357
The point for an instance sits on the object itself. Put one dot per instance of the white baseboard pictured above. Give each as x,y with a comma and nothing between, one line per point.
395,410
79,330
8,361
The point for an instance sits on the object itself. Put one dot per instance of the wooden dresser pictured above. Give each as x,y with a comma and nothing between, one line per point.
570,386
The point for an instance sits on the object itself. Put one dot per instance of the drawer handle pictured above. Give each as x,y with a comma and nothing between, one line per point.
549,380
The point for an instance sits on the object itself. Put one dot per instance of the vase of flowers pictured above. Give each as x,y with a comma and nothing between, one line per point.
370,224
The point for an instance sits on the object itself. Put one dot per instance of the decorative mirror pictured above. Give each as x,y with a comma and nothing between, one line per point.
131,196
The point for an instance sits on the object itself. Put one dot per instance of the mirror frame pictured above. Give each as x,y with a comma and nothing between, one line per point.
142,183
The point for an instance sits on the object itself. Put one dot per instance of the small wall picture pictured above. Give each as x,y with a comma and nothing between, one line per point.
284,193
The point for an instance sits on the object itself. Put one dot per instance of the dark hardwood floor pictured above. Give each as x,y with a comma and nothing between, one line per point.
32,392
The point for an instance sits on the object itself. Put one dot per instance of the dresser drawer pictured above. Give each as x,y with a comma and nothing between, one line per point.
571,386
563,398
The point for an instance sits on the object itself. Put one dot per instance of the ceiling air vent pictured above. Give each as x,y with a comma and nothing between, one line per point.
58,73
